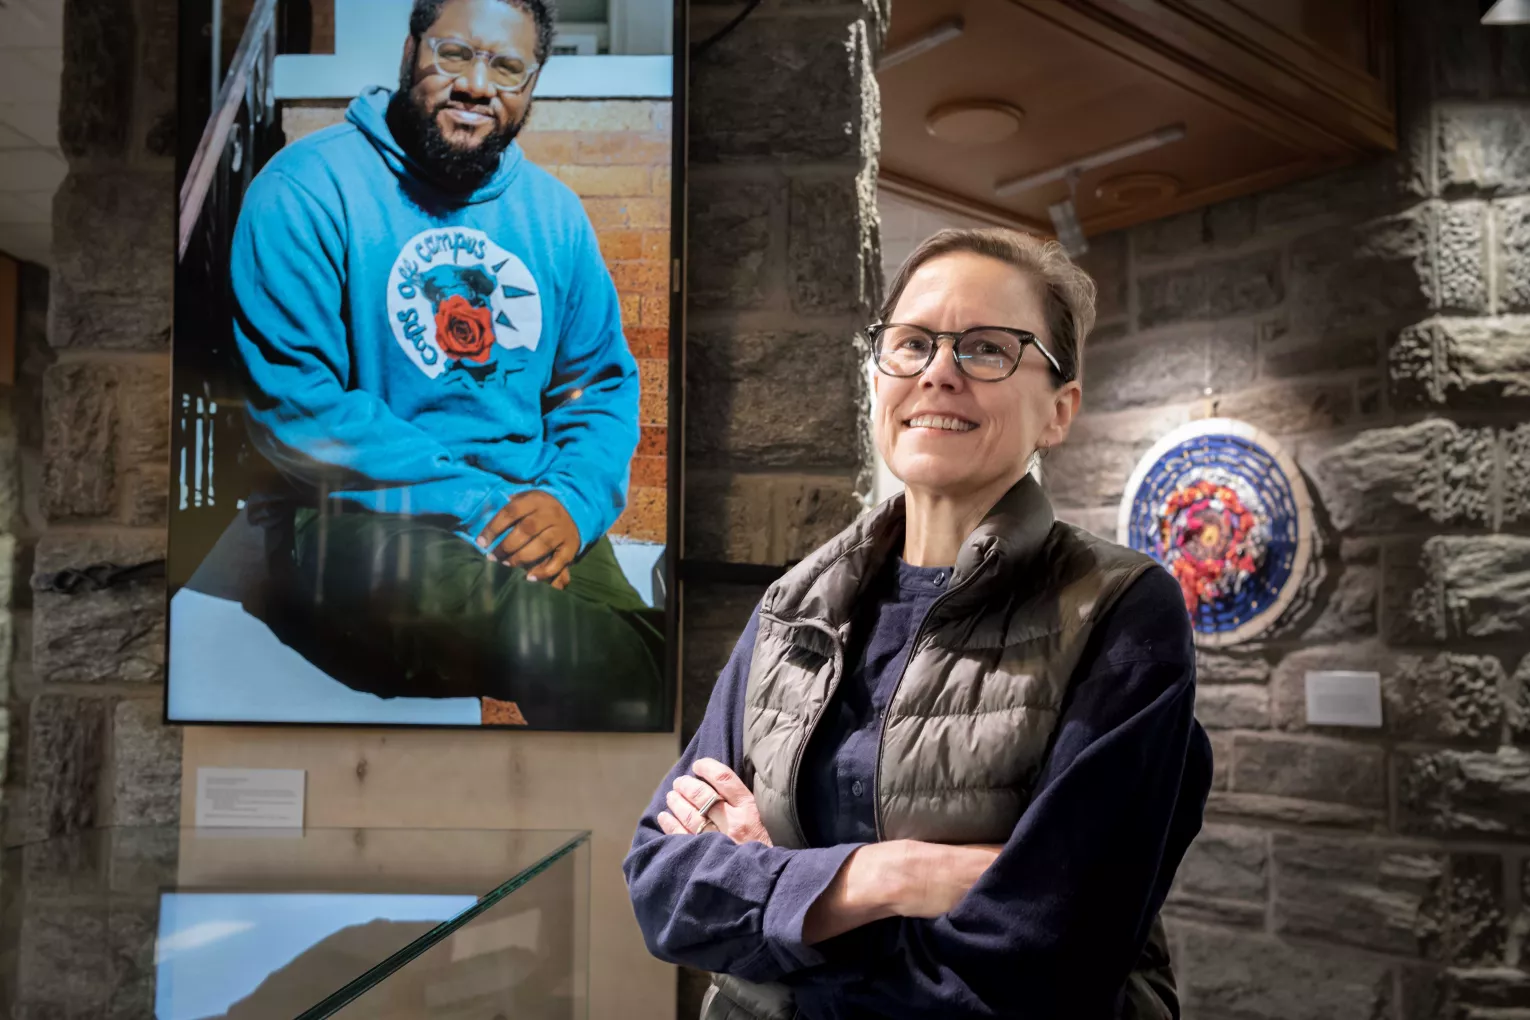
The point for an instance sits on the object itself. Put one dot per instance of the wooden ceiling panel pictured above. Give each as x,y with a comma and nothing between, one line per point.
1078,98
1093,74
1324,61
1338,26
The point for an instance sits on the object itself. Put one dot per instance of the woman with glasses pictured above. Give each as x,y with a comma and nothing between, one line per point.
953,764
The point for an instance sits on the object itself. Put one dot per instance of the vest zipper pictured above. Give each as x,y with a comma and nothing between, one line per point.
876,778
837,670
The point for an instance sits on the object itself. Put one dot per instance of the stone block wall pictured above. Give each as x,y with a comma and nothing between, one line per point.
783,272
1377,322
784,269
20,518
86,700
906,223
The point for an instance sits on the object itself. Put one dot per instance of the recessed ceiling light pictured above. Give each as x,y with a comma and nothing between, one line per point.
974,121
1505,12
1137,189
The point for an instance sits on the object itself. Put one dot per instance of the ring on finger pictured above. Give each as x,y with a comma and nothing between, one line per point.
706,806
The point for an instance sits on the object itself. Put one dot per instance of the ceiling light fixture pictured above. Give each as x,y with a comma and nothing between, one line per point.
1146,143
974,121
1505,12
1137,189
942,33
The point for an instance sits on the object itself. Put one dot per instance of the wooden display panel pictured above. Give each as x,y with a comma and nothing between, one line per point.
453,779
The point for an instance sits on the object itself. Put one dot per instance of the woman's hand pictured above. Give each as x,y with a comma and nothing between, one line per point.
731,811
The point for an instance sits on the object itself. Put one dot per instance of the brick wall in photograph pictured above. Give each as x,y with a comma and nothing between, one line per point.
617,155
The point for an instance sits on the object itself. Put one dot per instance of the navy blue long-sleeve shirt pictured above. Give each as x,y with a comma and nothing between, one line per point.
839,766
1056,922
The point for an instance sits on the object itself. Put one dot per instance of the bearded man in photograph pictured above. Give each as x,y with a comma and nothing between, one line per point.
437,373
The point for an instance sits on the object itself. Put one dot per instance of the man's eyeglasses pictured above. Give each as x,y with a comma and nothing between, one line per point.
985,353
456,57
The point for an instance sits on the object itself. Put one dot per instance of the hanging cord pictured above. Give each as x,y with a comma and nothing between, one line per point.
716,37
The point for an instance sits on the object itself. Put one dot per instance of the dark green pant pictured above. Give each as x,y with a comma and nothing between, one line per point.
405,608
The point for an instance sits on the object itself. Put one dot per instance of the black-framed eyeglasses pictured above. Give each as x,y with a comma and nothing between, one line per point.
985,353
455,57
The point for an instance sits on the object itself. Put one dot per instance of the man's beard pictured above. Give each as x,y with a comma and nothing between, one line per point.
451,166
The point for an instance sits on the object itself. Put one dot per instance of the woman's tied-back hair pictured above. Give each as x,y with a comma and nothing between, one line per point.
544,12
1070,293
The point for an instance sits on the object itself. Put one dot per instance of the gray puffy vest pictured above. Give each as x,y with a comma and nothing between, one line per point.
971,720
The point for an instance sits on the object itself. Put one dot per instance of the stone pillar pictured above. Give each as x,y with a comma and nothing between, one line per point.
92,690
1378,322
784,271
20,523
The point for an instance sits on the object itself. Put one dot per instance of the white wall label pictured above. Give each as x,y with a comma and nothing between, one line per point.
250,798
1343,698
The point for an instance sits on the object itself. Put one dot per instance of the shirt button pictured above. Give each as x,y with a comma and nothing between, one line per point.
857,787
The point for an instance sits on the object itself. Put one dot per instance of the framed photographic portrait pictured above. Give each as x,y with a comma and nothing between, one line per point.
421,465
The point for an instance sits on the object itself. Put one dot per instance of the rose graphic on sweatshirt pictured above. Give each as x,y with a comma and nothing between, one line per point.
464,320
464,331
454,296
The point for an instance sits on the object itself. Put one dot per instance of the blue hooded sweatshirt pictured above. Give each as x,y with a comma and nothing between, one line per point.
411,352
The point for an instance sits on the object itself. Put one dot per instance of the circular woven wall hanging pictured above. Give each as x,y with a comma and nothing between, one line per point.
1224,509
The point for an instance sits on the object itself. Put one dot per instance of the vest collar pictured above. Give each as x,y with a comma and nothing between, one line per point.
824,586
1011,533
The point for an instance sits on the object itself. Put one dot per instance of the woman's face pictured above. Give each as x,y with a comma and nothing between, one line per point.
953,436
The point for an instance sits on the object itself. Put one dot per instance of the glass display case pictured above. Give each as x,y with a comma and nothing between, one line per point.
185,924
